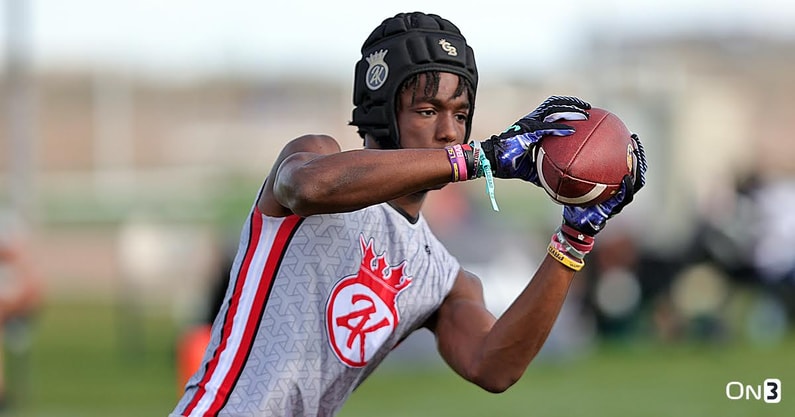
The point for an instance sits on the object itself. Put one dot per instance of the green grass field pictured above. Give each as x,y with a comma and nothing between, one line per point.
83,365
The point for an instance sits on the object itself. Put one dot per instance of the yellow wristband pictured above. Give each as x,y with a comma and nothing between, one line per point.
565,260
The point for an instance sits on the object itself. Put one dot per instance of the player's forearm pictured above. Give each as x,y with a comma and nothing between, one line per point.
520,333
351,180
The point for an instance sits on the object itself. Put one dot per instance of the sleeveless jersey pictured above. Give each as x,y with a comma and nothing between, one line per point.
313,306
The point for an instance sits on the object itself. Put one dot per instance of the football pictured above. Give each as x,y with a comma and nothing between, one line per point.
587,167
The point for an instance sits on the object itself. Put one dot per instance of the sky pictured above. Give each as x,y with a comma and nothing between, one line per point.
183,38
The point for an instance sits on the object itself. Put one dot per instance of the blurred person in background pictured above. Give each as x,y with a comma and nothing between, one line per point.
194,340
20,297
614,290
337,265
746,242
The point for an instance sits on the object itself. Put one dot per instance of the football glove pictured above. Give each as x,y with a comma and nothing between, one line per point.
511,152
588,221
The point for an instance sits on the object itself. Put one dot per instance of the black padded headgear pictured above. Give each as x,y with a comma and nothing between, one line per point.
402,46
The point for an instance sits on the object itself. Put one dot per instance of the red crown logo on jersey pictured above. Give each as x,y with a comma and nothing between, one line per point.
362,311
375,268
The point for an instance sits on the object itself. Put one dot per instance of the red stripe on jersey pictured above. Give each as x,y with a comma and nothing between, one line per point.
282,238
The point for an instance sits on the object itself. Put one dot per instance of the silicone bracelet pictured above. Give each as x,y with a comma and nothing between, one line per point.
576,234
461,162
578,250
469,158
453,163
565,260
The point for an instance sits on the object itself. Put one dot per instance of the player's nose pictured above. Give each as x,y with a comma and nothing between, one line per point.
447,129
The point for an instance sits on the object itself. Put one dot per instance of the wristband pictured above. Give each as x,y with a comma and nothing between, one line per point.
565,247
485,169
458,162
453,163
577,249
561,257
461,162
576,235
469,158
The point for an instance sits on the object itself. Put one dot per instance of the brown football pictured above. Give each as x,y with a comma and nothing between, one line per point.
587,167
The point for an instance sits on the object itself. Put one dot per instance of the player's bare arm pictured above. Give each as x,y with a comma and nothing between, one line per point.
494,353
312,176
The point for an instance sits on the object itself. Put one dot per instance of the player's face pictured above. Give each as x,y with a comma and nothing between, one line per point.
433,122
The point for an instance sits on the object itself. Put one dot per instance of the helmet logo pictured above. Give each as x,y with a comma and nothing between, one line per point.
377,71
448,47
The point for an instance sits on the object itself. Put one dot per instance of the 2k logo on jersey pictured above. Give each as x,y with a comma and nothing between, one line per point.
362,309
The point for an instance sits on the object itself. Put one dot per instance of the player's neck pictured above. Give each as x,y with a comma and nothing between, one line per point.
410,205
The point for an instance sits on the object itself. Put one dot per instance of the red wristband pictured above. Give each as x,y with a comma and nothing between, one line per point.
576,235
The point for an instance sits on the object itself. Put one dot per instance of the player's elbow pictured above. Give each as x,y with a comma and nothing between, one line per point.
496,384
303,198
303,190
497,387
300,184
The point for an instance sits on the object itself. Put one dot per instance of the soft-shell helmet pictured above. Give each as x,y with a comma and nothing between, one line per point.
402,46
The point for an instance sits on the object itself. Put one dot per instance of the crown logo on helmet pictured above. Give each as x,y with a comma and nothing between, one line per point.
377,71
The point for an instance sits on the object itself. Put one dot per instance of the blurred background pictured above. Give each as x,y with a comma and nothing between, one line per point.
135,135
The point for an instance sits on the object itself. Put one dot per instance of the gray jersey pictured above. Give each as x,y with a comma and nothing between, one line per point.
313,306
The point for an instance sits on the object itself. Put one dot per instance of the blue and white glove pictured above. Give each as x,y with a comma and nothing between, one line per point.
588,221
511,153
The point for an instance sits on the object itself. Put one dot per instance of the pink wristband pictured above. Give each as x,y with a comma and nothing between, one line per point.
565,247
461,162
557,245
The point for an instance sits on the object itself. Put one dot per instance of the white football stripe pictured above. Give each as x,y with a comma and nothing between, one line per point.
590,195
540,171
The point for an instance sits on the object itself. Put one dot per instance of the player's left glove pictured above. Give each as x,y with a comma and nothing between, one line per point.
511,152
588,221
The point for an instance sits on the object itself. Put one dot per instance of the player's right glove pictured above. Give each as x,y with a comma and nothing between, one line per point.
575,237
588,221
511,152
